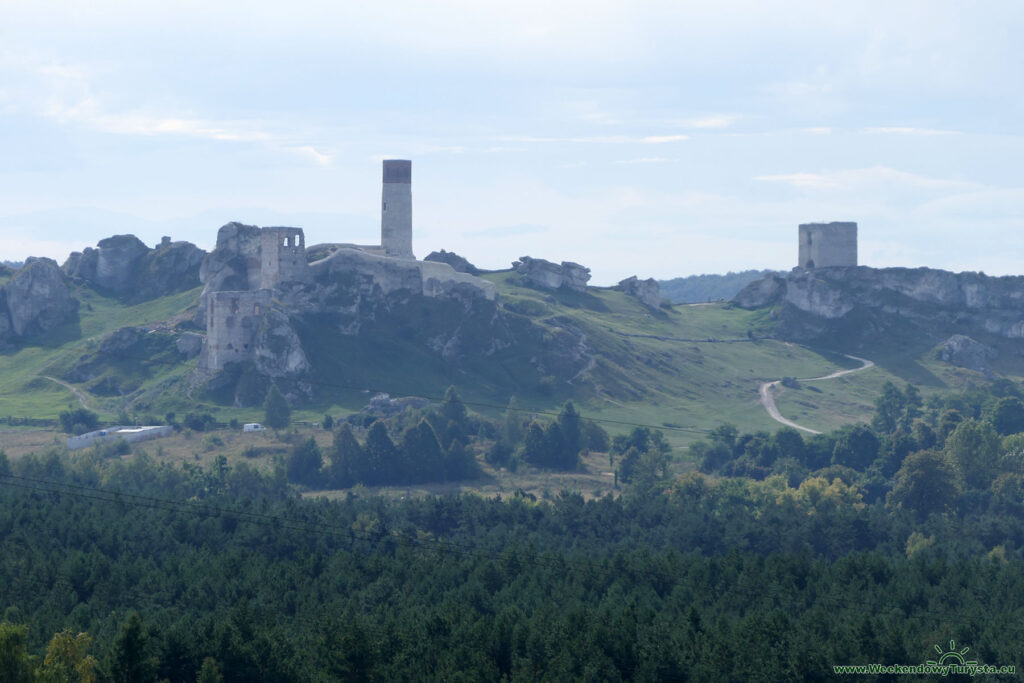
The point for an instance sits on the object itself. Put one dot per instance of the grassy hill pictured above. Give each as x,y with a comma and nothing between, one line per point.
684,369
705,288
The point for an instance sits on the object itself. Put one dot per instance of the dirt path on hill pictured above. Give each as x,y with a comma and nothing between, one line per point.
768,398
78,394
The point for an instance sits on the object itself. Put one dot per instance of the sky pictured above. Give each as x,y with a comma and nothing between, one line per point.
657,138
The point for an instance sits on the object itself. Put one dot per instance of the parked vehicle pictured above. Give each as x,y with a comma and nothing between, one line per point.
253,427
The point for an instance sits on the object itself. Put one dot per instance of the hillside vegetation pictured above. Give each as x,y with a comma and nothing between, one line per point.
694,289
684,369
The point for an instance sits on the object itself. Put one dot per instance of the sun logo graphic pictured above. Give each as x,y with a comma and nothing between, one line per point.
952,656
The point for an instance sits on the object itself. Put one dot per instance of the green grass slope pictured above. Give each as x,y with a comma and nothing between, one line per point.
25,390
684,369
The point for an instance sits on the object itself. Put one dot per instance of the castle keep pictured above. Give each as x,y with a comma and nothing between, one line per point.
827,245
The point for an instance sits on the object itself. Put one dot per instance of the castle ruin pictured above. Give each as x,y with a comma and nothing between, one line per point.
232,321
246,271
282,256
827,245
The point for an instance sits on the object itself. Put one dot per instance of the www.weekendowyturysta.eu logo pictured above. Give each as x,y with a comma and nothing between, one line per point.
951,661
952,656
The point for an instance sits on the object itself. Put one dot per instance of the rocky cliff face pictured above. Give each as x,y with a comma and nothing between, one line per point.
36,300
232,265
858,302
277,349
354,289
124,267
547,275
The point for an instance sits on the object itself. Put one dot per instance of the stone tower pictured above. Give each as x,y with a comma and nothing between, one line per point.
232,322
396,209
282,256
827,245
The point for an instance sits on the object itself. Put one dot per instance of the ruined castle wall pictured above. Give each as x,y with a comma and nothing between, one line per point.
396,209
232,320
827,245
386,275
282,256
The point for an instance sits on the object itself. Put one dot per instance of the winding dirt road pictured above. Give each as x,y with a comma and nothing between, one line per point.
73,390
768,399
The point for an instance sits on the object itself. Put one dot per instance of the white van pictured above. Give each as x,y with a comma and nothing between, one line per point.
253,427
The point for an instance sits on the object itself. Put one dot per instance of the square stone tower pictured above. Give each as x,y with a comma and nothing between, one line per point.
396,209
828,245
232,322
282,256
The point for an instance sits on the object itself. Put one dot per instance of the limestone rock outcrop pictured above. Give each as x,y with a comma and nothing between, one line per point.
124,267
37,299
964,352
459,263
351,273
189,344
277,351
124,359
856,304
547,275
235,262
647,291
171,267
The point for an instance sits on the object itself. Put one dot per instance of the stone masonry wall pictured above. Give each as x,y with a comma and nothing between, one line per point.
282,256
232,321
827,245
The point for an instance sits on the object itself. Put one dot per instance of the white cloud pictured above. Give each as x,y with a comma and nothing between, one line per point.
599,139
312,153
646,160
88,112
659,139
862,177
906,130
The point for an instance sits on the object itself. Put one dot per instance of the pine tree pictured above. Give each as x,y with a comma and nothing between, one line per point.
16,665
422,453
305,463
382,457
127,659
533,445
277,412
572,434
453,409
348,463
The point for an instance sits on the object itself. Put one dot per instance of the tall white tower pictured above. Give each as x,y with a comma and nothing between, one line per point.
396,209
